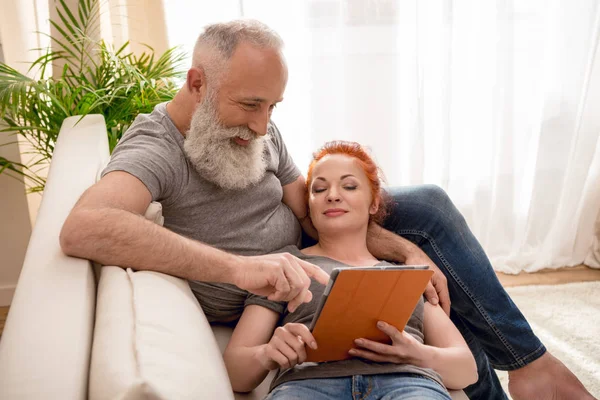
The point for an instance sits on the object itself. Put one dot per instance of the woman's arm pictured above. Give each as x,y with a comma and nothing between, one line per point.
444,351
254,349
254,329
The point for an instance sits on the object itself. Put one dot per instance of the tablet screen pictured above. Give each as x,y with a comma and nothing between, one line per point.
336,271
356,298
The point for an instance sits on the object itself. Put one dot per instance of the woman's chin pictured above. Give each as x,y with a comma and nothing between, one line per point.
336,227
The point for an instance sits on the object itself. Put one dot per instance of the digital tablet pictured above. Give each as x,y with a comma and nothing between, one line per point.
356,298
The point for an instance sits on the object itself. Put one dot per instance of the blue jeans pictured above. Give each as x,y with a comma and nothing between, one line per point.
492,325
362,387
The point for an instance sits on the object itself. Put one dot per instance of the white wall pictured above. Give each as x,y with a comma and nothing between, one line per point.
15,217
15,227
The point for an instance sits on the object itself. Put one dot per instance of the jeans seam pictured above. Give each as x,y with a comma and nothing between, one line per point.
534,355
519,360
369,388
432,380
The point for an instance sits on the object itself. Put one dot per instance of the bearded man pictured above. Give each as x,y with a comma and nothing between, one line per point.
230,193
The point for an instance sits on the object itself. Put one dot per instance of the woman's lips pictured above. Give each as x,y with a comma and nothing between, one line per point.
335,212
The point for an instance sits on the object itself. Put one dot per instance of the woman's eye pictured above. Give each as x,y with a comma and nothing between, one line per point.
350,187
318,190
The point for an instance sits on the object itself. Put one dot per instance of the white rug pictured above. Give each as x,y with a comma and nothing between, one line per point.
566,318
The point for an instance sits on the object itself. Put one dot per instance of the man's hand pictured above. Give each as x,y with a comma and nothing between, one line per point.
280,277
386,245
437,289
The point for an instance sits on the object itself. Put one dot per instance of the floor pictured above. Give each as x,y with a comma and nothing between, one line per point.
3,314
580,273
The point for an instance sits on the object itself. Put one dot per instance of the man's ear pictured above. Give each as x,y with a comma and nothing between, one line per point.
196,83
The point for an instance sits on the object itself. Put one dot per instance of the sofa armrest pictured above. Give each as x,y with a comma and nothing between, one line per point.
45,347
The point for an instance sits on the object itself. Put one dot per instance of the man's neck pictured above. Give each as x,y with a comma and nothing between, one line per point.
350,249
180,112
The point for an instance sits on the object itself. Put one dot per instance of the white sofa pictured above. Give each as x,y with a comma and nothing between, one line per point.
75,332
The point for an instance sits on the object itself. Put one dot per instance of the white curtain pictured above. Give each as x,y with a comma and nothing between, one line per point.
495,101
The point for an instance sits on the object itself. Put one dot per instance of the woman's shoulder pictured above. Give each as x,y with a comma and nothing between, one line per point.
303,254
292,249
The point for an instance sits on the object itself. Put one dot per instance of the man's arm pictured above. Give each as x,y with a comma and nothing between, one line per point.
386,245
107,225
294,196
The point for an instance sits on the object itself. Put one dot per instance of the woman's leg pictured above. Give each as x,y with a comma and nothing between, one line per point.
406,387
313,389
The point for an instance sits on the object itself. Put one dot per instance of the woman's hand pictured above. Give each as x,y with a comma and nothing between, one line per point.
404,349
286,347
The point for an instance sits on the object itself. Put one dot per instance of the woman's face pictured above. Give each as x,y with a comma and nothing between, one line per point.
340,195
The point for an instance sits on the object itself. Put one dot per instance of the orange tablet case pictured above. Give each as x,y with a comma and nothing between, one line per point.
357,300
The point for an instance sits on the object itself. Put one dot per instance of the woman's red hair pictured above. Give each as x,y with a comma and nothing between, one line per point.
370,168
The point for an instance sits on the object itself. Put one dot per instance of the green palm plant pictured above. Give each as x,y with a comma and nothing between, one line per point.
94,78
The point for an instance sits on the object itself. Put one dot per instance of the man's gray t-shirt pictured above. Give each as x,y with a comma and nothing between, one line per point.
355,366
251,221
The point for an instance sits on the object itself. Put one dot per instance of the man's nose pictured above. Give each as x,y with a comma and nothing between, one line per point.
260,122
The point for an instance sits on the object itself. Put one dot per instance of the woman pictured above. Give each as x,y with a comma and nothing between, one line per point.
344,195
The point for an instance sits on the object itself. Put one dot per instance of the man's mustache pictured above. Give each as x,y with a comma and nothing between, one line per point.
243,133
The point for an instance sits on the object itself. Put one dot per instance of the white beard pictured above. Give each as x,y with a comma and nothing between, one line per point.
216,157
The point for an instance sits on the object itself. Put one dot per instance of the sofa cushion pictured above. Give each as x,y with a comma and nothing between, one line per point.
152,340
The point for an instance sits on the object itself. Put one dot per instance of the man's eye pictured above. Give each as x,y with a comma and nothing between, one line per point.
249,105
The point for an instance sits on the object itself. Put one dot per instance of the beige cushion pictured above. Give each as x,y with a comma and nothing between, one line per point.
152,340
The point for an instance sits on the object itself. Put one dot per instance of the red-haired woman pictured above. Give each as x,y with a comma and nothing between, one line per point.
344,196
